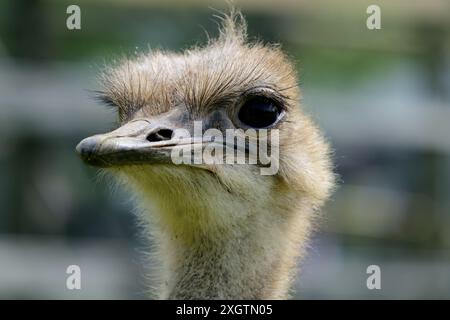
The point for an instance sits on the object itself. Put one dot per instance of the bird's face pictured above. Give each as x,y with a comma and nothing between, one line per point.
163,98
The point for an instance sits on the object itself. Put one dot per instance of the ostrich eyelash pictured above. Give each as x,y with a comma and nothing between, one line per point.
104,99
108,101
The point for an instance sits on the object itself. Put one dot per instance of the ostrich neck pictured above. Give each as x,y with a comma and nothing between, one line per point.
253,259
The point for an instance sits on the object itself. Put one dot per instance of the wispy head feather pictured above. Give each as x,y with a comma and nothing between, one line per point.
233,27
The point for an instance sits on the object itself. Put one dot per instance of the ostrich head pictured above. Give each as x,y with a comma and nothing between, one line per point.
222,230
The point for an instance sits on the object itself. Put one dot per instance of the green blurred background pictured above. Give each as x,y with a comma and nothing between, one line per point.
381,96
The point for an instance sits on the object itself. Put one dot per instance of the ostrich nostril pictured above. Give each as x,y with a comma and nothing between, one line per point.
160,135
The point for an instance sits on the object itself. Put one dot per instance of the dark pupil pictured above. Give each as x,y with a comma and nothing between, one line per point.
259,112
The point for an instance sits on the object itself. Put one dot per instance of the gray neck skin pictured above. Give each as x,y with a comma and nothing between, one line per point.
243,264
220,271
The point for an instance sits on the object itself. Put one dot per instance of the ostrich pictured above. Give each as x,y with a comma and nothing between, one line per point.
221,231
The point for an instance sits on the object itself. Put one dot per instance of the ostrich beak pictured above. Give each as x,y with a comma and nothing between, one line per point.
136,142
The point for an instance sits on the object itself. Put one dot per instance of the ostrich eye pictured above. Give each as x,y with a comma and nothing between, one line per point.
259,112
